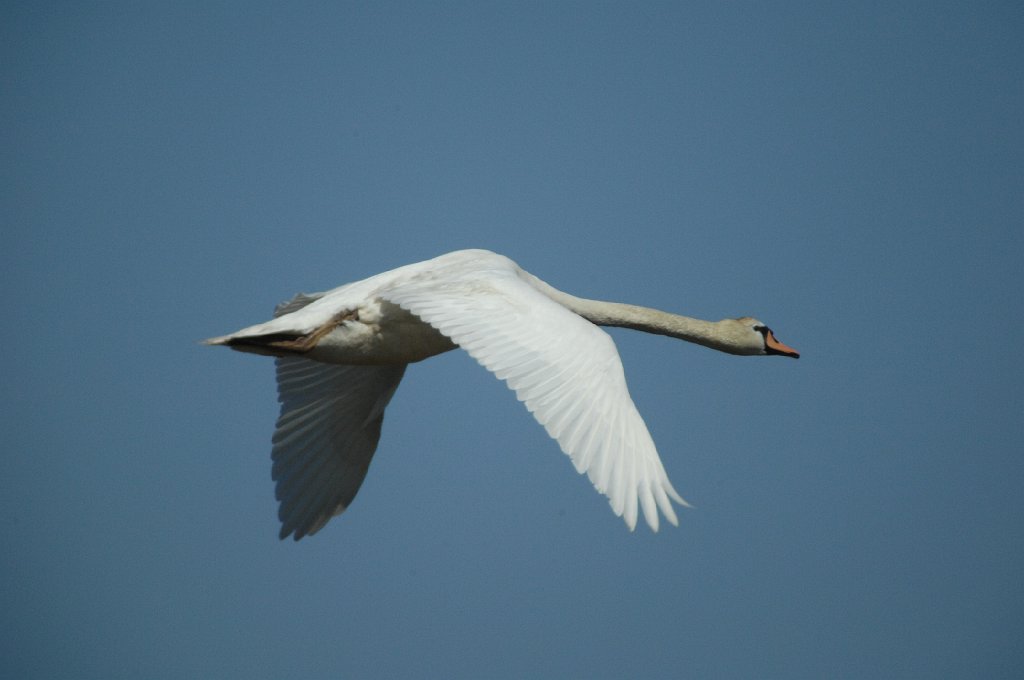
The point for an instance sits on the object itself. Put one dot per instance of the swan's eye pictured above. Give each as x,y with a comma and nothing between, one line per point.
763,330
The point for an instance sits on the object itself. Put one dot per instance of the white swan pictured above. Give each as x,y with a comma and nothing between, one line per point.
341,354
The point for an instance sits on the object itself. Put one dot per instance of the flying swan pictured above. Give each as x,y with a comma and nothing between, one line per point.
341,354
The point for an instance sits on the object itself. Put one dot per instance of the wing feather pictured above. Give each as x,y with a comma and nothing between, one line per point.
326,435
565,369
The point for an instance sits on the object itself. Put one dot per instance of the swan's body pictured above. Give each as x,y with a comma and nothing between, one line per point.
342,353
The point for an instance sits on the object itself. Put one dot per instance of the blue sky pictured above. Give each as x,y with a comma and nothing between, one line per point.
849,173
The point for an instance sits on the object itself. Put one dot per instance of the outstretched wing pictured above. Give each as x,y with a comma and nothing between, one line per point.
326,435
565,369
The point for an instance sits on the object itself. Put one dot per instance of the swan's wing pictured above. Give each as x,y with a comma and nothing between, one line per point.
564,368
296,303
326,434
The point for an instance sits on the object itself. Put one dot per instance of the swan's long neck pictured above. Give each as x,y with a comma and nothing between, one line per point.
707,333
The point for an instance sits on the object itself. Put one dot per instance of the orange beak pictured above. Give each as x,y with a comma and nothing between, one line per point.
775,347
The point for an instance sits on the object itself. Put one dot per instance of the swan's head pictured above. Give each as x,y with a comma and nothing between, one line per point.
750,336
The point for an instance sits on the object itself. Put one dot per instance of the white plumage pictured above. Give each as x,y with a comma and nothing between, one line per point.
341,355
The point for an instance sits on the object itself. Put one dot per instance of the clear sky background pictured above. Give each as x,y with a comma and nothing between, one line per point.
849,173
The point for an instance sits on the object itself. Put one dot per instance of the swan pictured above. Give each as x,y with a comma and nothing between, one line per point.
340,355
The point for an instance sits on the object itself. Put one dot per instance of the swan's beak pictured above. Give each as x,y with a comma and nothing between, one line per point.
773,346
